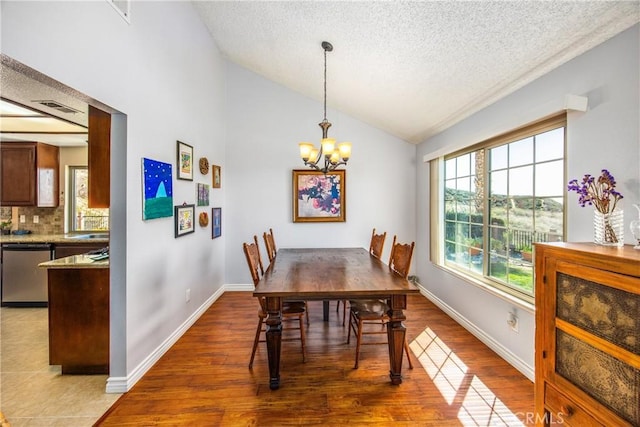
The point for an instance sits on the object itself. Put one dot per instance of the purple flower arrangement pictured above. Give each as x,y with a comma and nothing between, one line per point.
600,193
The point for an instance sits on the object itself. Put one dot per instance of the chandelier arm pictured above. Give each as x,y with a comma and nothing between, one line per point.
335,165
312,165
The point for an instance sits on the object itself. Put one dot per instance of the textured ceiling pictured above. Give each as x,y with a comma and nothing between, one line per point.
410,68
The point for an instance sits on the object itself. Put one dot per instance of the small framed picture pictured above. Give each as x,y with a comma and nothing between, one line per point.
202,194
216,223
184,159
184,219
216,176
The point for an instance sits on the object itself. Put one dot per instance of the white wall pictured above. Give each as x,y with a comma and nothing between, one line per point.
165,74
167,83
265,122
606,136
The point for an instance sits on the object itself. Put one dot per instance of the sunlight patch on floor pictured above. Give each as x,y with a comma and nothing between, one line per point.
478,405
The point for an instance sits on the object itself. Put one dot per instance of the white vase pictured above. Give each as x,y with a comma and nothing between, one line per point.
608,229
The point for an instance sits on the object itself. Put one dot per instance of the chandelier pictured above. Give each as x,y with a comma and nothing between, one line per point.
333,156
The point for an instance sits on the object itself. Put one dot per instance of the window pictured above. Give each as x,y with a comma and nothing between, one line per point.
81,217
501,196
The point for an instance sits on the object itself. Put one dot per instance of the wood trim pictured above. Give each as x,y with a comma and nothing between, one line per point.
434,211
99,158
543,125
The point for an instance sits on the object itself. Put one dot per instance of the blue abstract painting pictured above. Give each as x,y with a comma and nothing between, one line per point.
158,191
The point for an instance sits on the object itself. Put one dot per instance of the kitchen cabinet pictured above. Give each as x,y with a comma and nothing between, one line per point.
79,319
29,174
99,158
587,335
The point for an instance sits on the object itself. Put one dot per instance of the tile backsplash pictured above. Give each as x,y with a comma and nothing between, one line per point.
50,220
5,213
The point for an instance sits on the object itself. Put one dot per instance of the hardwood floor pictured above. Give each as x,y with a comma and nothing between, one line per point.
203,380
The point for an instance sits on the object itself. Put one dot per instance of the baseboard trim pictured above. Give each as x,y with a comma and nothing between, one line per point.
124,384
239,287
526,370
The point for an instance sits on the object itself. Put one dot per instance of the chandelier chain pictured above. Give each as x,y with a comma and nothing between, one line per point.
325,84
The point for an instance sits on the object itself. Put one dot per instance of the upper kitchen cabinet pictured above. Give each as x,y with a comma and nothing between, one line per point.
29,174
99,157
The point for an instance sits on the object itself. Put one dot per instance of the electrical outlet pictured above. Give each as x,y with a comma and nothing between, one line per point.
23,219
36,219
187,296
512,321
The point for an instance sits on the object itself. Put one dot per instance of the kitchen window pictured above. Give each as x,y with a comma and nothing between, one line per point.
81,217
497,198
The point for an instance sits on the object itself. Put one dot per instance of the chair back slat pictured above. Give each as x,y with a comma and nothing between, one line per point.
252,253
400,259
270,244
377,243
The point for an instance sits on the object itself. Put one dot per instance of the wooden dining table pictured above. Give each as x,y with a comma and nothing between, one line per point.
332,274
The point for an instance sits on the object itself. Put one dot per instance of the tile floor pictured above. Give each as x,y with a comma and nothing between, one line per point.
33,393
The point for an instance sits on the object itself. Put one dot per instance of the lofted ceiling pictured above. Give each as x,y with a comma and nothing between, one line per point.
410,68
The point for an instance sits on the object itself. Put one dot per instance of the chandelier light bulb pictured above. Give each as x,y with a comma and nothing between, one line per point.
305,150
345,150
328,146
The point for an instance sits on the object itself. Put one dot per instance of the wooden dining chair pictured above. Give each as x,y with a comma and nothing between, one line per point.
375,249
270,244
291,310
366,316
377,244
272,250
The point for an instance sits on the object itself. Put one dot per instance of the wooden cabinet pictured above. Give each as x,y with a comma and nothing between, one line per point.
63,250
79,319
29,174
99,158
587,335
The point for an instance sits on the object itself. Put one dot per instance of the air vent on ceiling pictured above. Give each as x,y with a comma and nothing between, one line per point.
123,7
57,106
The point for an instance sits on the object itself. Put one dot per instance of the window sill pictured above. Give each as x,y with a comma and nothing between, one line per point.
521,303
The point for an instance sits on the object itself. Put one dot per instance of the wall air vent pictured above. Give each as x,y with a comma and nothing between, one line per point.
123,7
57,106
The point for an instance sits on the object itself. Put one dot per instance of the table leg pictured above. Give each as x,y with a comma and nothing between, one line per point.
274,340
396,336
325,310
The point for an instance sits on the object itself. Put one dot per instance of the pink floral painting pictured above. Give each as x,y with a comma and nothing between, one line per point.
319,197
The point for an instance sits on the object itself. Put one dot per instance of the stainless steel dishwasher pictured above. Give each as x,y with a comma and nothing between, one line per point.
24,284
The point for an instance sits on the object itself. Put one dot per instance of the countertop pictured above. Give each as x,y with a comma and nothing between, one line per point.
75,261
56,238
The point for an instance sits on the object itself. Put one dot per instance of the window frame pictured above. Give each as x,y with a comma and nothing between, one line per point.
71,203
437,191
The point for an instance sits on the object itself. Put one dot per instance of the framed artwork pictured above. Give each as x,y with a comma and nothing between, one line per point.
184,160
216,223
216,176
318,197
184,219
157,190
202,194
